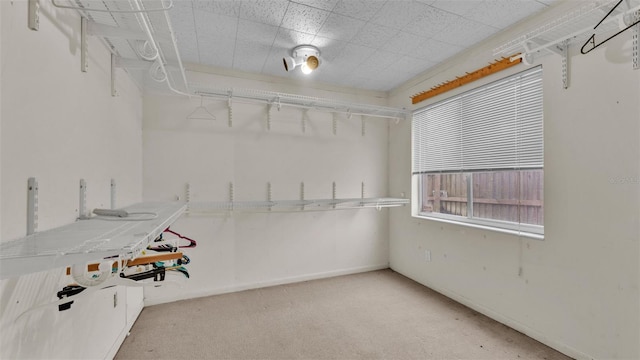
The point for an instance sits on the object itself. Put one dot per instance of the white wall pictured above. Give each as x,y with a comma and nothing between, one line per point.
252,250
60,125
577,290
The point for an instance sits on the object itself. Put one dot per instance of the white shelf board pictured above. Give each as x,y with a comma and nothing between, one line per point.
295,205
87,240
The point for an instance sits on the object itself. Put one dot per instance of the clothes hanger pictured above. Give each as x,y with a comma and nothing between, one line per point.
201,113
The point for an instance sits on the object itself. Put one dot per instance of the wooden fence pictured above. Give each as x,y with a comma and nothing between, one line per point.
514,196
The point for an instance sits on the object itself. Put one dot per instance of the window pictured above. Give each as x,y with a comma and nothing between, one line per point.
478,157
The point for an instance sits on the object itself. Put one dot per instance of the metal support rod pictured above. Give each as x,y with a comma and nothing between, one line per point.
32,206
82,207
335,124
34,15
269,117
113,193
565,63
305,115
333,194
114,92
635,52
230,110
84,56
112,11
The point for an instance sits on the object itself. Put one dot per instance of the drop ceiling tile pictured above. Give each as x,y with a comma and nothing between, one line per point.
353,55
217,53
410,65
265,11
226,7
319,4
359,9
374,35
340,27
397,14
287,39
458,7
430,22
329,48
376,63
304,18
250,56
402,43
435,51
465,33
502,13
215,26
258,33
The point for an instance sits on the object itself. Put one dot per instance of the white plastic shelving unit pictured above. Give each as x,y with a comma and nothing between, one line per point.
88,240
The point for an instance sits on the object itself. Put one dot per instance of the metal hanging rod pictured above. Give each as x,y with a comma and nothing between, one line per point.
574,26
305,102
82,8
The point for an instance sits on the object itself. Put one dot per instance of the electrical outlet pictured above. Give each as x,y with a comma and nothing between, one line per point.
427,256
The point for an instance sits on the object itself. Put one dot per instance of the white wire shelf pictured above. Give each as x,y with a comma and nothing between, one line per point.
576,26
87,240
301,101
293,205
140,36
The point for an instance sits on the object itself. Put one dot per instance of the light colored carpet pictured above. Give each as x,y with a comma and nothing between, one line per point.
374,315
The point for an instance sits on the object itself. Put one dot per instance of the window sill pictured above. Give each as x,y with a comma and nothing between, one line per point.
478,225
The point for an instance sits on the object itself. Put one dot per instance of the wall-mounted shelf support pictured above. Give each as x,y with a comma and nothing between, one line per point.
586,23
635,52
32,206
34,15
113,193
564,48
305,102
82,207
302,195
231,195
84,44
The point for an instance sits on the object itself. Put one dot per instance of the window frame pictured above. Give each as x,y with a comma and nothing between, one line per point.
520,229
417,177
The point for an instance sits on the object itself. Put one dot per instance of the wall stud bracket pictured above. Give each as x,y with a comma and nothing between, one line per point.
82,209
34,15
269,117
32,206
113,193
84,51
335,124
333,194
564,53
114,60
635,46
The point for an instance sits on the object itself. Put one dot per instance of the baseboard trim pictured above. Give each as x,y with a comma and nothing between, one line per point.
262,284
514,324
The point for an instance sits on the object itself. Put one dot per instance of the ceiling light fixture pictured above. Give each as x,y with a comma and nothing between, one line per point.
305,56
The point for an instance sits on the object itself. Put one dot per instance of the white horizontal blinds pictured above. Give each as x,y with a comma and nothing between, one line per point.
437,134
497,126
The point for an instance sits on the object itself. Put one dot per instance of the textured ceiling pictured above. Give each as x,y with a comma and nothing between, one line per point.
368,44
